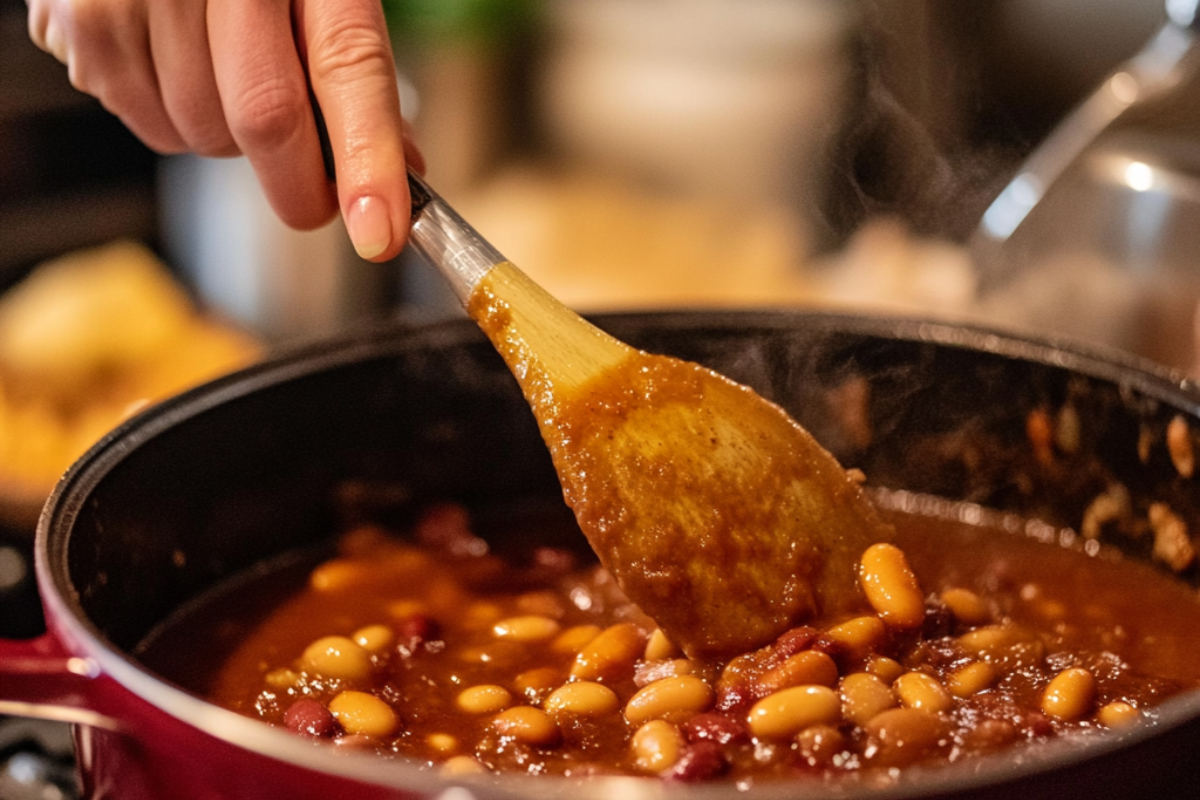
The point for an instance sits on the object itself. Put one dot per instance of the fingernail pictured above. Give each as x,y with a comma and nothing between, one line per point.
369,226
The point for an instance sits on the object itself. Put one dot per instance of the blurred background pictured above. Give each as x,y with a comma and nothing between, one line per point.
627,154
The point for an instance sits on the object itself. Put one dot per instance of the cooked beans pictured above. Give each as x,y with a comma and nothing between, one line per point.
886,669
656,746
556,673
659,647
919,690
786,713
971,679
485,699
374,638
528,628
1070,695
365,714
861,634
337,657
819,744
535,684
1179,445
575,638
527,724
611,655
806,667
904,734
674,699
891,587
584,698
966,606
442,743
863,696
1118,714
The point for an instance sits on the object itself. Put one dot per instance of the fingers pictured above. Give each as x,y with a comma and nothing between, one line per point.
353,77
179,48
264,94
106,47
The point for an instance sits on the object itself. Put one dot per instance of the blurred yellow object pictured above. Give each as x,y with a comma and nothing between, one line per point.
85,340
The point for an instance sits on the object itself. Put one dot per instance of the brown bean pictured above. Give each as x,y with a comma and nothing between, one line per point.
860,635
971,679
966,606
659,647
538,682
527,724
903,735
891,587
656,746
611,655
820,744
483,699
362,713
786,713
575,638
923,691
584,698
337,657
1118,714
674,699
1179,445
527,628
886,669
864,696
374,639
1070,694
806,667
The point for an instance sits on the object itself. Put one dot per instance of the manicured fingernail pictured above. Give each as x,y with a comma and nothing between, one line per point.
369,226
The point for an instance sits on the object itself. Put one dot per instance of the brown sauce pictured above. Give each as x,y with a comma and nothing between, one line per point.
469,655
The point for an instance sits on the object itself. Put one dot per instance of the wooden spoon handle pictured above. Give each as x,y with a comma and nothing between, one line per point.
548,347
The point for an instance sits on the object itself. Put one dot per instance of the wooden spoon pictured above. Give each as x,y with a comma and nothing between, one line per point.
717,514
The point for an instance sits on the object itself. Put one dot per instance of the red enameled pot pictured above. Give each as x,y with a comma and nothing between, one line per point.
238,472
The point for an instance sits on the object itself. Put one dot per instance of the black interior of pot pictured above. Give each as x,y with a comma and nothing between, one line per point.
276,458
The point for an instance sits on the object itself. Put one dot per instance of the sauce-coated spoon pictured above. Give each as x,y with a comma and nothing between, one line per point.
717,514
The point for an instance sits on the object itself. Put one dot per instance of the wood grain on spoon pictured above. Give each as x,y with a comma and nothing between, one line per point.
718,515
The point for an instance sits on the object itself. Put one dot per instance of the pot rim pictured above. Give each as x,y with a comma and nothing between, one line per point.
70,622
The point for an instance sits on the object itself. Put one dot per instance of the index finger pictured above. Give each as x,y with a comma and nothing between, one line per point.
353,77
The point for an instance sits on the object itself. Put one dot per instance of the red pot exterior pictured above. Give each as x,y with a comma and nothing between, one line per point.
128,749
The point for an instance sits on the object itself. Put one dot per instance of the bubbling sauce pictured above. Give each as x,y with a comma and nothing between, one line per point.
430,648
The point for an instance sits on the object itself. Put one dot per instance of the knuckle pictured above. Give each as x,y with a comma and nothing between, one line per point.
348,49
267,114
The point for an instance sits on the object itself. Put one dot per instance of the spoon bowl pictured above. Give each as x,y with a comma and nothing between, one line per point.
717,514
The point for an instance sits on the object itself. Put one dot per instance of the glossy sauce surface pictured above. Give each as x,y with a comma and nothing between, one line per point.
473,656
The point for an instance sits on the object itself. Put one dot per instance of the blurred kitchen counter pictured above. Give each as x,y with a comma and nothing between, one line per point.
600,243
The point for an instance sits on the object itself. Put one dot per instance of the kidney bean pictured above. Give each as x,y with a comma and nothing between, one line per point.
415,630
717,728
791,642
310,718
700,761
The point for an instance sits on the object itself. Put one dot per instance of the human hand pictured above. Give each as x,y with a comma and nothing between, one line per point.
229,77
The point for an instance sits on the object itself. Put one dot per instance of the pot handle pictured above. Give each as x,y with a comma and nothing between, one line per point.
39,678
